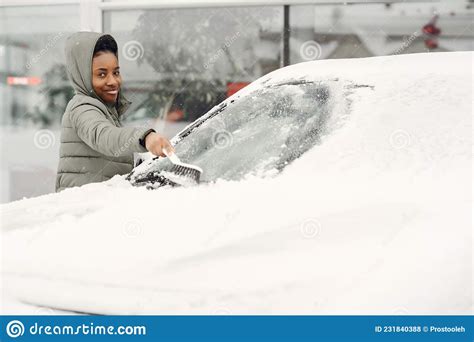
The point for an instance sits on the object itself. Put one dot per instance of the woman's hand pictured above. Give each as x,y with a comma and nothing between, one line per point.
156,144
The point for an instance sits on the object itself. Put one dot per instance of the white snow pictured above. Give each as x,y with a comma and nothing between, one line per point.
375,220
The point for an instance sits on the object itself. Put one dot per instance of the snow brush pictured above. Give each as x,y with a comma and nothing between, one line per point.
181,173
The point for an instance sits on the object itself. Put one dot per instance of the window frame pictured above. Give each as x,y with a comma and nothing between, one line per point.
92,11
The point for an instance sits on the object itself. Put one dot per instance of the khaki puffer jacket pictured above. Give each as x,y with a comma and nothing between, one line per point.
94,144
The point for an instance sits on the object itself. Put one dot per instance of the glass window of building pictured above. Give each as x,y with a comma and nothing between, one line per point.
34,82
34,92
364,30
179,63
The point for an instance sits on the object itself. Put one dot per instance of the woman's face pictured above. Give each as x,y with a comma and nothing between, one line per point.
106,79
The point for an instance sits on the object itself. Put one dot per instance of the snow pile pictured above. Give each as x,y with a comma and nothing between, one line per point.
375,220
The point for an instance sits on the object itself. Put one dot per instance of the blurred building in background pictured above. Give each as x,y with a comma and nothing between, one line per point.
180,58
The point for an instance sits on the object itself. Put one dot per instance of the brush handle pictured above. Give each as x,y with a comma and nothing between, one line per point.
172,156
177,162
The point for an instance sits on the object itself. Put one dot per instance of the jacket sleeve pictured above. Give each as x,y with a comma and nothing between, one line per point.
101,135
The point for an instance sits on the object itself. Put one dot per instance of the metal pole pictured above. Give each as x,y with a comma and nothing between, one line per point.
286,35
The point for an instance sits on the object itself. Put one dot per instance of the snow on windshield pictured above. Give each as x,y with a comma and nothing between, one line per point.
263,132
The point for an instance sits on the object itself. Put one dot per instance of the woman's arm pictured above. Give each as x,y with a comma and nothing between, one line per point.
101,135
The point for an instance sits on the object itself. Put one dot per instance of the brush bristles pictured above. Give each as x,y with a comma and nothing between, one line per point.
186,172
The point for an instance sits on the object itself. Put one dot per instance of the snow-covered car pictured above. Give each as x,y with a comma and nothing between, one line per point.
328,187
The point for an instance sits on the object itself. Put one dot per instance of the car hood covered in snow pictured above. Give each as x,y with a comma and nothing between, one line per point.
375,220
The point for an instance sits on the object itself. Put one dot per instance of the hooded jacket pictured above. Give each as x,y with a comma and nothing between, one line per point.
94,144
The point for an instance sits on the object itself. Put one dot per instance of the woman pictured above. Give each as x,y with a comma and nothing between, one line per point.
94,144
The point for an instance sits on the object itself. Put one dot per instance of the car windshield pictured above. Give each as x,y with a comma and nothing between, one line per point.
259,133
